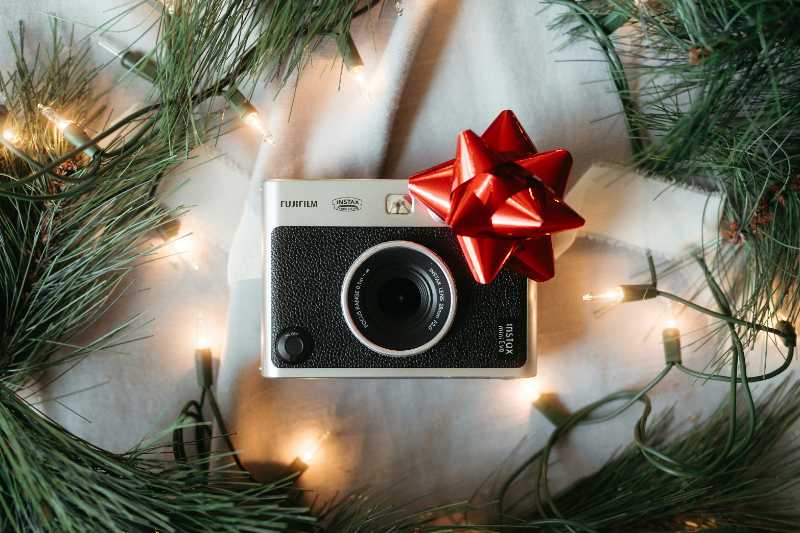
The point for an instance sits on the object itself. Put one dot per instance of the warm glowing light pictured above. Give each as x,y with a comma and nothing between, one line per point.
671,323
184,248
51,115
354,63
311,451
614,295
10,135
359,76
201,339
308,455
531,388
253,119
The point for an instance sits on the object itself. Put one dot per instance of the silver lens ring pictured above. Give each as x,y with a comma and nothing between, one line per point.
398,298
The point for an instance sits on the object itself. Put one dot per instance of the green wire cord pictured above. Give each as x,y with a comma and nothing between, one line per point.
734,447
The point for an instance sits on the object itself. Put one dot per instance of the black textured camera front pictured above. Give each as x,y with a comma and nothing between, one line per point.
309,264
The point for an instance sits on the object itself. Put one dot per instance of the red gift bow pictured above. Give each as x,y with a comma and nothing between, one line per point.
502,199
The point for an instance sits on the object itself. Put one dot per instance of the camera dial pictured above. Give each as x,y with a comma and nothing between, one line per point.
398,298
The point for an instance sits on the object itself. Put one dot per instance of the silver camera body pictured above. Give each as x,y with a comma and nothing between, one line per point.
360,281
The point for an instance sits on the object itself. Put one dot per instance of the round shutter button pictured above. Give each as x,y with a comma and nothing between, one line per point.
294,345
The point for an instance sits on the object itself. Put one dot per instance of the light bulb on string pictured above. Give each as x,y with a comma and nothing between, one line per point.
253,120
73,133
614,295
671,339
359,76
201,333
179,248
350,54
353,62
530,389
50,114
670,322
183,248
145,67
546,402
11,135
308,454
248,113
204,362
623,293
134,60
311,451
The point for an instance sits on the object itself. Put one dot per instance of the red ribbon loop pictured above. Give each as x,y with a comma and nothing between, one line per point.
502,198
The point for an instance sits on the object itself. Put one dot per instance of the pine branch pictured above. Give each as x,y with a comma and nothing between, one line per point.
714,101
54,481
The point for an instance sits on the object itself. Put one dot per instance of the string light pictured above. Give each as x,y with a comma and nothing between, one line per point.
353,62
614,295
51,115
547,403
202,354
9,134
530,388
147,69
623,293
134,60
169,229
350,54
305,458
253,119
183,248
73,133
550,406
201,333
671,337
248,113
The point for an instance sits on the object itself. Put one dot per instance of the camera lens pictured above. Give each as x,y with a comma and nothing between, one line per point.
398,298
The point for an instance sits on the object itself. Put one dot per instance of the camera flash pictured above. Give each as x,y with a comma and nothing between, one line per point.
399,204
